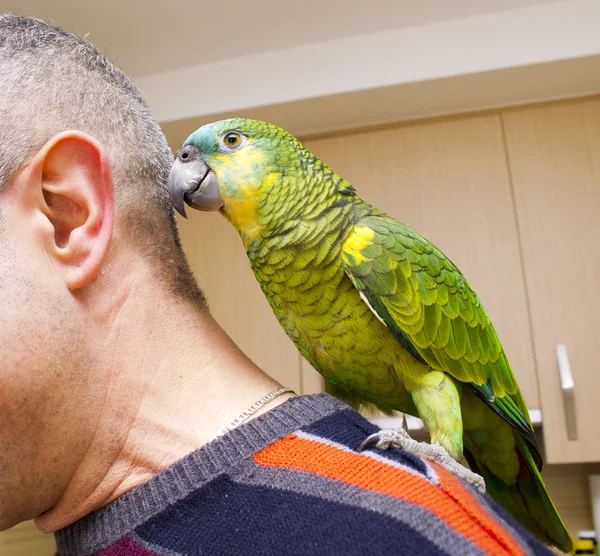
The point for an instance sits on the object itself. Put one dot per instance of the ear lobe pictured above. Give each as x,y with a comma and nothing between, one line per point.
77,188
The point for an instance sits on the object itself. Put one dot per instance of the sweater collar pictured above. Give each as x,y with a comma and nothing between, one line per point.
119,518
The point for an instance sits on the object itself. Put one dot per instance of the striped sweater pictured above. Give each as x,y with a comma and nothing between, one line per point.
292,482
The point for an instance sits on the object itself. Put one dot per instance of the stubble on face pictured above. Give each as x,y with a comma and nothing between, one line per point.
38,386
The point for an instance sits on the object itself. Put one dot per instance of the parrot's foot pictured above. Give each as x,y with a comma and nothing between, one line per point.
399,438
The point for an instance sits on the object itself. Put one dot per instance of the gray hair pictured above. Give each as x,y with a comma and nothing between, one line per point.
52,81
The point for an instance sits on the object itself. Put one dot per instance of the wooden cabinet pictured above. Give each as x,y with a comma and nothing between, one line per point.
554,156
449,180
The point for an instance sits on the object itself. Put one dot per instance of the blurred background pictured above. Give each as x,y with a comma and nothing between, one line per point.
477,122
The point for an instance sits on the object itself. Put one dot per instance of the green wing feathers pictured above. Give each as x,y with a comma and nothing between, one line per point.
434,313
424,299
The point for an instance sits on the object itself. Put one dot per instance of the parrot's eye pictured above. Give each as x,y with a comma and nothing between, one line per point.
232,139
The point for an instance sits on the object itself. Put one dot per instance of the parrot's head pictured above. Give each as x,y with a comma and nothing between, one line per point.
226,162
243,168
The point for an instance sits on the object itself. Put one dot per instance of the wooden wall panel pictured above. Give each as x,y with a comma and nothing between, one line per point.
555,162
312,381
569,489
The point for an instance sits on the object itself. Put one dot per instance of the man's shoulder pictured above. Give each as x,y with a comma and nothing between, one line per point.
293,481
412,499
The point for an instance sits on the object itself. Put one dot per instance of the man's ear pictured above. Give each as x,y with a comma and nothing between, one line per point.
78,195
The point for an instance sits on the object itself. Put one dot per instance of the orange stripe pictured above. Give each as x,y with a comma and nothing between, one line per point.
451,502
463,498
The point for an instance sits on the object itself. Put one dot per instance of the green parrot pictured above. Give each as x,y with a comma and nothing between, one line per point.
385,317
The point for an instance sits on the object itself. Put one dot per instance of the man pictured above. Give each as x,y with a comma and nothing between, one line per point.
115,380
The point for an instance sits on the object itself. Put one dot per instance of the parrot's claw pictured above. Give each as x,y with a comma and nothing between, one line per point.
399,438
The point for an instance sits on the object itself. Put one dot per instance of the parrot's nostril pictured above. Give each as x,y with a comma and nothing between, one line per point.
188,153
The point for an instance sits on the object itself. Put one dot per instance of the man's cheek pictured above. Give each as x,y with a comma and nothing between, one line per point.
12,448
19,402
12,417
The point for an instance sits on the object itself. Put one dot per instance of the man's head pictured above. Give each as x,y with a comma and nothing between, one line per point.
83,205
52,81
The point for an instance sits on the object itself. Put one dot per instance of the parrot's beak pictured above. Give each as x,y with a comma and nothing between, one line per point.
191,181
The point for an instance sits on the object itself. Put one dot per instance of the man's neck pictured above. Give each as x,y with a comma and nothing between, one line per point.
173,379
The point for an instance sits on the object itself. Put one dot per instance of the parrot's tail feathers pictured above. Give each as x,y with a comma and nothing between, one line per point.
527,500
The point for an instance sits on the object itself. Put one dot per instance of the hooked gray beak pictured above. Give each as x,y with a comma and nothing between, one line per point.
193,182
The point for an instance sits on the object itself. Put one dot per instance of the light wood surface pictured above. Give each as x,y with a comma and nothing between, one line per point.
449,181
569,489
554,154
25,539
312,381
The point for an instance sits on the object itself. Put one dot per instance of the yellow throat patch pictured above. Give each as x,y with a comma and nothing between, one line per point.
236,171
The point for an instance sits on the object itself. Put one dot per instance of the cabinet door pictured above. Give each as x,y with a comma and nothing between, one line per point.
449,180
217,256
554,155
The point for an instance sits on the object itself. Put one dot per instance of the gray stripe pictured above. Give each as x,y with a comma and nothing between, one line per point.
105,526
416,517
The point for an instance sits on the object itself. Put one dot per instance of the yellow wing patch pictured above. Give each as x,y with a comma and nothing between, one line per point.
359,238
